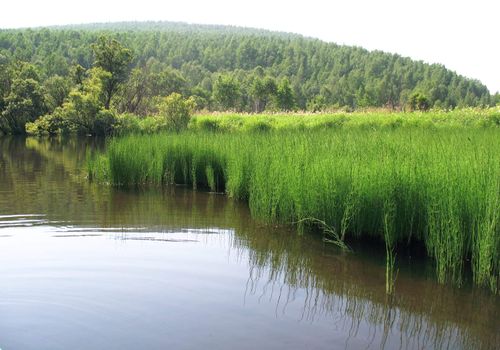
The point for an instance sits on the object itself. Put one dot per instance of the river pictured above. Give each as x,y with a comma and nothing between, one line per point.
88,266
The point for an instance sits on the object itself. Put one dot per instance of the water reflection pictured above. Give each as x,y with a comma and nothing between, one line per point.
286,276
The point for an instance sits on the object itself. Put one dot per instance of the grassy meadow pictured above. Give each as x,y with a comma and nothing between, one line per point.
371,119
430,179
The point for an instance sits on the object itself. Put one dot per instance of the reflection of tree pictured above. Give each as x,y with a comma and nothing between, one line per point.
43,176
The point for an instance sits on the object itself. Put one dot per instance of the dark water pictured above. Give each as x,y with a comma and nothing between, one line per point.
85,266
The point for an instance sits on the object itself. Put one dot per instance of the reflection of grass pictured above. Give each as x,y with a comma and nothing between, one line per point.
435,186
420,315
389,239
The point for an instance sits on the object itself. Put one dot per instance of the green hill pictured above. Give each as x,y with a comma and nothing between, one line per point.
192,58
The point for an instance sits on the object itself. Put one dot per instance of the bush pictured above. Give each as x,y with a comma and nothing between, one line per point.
176,111
103,123
50,124
419,102
126,123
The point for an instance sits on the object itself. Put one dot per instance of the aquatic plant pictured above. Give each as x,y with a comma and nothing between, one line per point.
438,187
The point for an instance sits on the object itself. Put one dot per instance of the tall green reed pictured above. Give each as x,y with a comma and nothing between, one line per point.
435,186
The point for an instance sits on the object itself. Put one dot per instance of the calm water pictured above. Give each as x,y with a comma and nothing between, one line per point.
84,266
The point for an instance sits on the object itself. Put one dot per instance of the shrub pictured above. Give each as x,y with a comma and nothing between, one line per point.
104,122
50,124
419,102
177,111
126,123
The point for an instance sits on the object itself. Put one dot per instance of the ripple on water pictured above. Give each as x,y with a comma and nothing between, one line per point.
22,220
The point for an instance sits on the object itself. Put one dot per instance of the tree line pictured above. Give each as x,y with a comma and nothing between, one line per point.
131,67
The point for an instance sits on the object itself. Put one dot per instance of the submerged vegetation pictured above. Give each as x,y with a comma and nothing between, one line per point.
403,184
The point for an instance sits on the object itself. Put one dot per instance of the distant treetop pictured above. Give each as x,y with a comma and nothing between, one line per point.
258,69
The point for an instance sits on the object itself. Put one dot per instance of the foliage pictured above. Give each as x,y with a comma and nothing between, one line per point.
83,111
296,73
49,124
84,105
114,58
5,81
317,104
233,68
262,90
496,99
127,123
284,96
419,102
177,111
57,89
226,92
23,101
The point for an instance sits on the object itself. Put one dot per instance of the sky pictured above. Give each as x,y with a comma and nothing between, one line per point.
462,35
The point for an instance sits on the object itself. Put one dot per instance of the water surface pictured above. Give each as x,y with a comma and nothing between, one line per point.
86,266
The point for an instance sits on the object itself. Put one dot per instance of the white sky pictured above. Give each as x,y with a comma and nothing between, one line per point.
462,35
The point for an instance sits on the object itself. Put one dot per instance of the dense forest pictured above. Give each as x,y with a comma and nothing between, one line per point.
219,67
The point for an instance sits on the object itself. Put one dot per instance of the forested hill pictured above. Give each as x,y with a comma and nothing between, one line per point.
251,65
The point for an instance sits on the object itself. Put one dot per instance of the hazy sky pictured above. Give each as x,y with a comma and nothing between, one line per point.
462,35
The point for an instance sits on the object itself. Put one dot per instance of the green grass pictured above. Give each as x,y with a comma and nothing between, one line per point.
439,186
230,122
377,119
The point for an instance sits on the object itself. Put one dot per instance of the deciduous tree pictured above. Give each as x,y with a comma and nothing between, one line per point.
114,58
226,92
